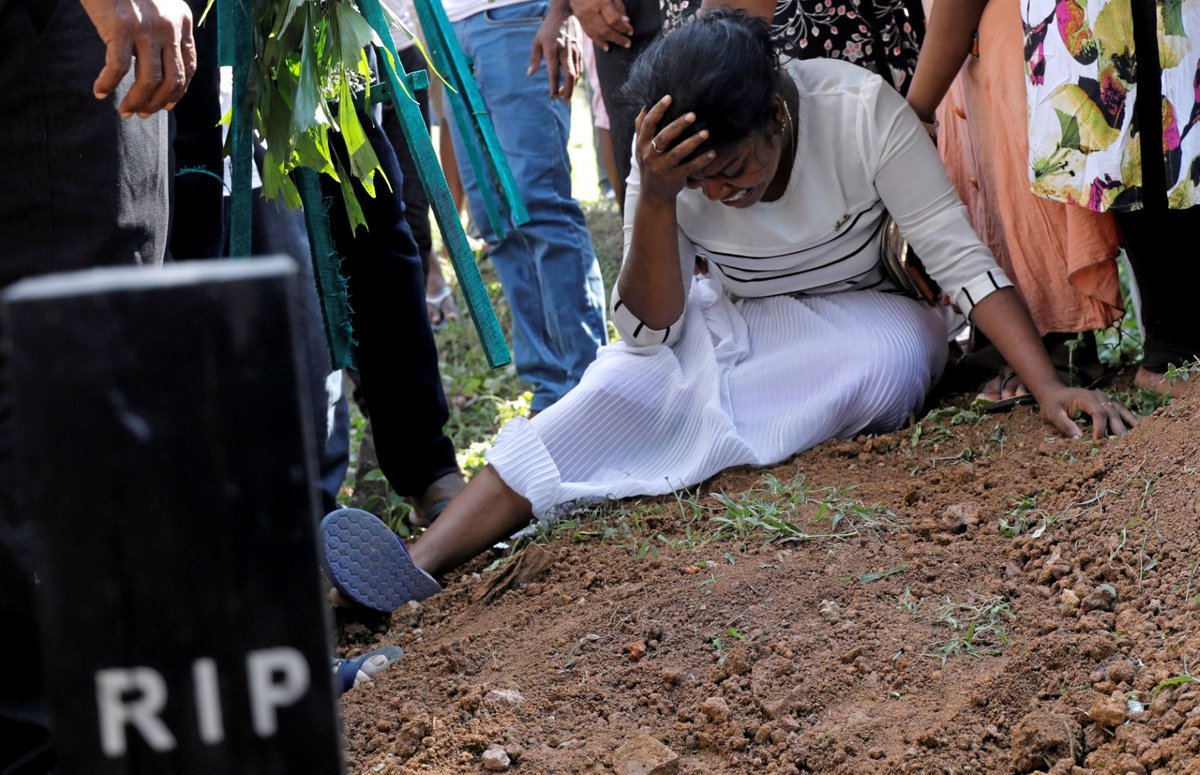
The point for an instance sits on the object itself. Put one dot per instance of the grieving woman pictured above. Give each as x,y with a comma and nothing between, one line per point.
757,318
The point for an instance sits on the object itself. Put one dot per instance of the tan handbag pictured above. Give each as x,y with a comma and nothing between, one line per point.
902,266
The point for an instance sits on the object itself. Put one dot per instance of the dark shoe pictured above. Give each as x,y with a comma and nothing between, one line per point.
368,564
429,504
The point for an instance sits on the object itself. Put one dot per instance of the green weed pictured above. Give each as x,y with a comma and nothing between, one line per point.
771,514
976,628
1024,514
1185,677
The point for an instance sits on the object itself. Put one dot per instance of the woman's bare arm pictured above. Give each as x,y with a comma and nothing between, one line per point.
952,25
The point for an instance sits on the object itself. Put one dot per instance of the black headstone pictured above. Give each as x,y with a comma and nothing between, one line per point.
165,466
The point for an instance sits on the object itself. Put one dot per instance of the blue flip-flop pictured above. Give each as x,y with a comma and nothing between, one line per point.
349,673
369,564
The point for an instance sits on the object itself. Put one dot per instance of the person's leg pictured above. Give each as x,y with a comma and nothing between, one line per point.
59,214
612,67
278,230
486,511
395,352
197,167
1166,279
1165,272
416,204
440,301
547,266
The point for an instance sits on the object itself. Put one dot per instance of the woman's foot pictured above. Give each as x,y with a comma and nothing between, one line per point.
439,299
1003,391
1158,383
368,564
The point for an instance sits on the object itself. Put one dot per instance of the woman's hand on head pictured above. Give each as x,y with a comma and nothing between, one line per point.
1061,403
665,161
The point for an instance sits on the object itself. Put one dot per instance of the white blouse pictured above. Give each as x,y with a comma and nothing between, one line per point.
860,151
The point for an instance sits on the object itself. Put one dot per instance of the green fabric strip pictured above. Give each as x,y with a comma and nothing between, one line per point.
331,286
240,29
417,137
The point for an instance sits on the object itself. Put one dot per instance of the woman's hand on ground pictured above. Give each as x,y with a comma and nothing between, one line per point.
1109,418
665,161
158,33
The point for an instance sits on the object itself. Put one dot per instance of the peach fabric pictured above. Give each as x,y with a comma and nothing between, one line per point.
1060,256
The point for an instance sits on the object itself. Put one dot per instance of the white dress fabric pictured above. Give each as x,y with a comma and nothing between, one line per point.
748,382
766,361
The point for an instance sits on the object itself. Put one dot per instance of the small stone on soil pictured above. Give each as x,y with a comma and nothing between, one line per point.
1042,737
496,759
505,696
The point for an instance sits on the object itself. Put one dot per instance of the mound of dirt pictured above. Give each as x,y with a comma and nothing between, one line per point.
972,595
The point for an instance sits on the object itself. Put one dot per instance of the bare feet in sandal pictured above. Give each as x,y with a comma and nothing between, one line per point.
1004,391
439,299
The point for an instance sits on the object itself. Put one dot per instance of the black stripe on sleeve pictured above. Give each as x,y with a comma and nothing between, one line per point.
620,303
666,334
968,295
995,285
638,330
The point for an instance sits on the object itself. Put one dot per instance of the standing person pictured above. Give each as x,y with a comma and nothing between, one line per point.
547,266
84,184
1060,255
1123,75
883,36
620,30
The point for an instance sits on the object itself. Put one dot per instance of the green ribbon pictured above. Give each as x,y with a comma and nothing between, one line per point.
430,171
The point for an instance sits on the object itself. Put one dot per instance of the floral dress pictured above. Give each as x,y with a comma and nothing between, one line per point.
1081,81
882,35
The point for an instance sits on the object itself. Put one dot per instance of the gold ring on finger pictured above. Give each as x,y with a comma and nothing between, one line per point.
1106,403
654,145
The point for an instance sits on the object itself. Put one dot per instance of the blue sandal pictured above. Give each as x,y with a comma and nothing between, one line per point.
369,564
349,673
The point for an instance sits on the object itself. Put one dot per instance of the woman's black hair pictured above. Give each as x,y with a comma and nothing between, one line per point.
722,66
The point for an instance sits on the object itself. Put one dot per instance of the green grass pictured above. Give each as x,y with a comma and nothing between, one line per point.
976,628
770,514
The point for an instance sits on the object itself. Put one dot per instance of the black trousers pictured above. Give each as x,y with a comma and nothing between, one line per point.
394,348
416,203
612,69
79,187
196,157
1160,242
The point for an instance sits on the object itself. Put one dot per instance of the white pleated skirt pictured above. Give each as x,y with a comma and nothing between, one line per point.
750,382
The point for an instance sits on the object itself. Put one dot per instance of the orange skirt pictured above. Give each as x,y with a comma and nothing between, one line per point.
1061,257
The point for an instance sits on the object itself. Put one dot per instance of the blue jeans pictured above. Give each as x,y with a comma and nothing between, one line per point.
547,266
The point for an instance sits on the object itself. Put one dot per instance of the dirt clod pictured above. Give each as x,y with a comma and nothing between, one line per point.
1044,737
1109,711
644,755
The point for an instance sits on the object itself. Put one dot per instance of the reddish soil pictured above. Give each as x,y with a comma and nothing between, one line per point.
741,657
